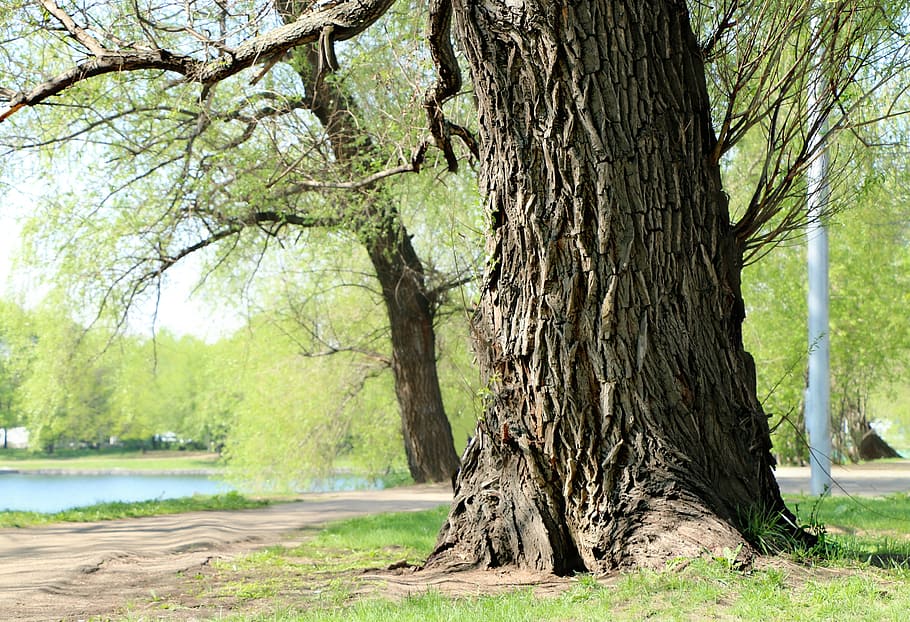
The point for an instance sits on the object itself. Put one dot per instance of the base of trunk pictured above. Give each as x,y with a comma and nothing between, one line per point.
668,531
506,520
874,447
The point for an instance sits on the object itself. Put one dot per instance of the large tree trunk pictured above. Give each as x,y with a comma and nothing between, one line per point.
622,427
428,441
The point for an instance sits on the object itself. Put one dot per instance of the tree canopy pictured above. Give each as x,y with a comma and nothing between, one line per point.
281,150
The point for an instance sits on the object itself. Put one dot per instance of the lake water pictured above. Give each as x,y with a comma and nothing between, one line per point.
53,493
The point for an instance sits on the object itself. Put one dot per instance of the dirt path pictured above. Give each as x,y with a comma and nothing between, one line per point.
74,571
868,480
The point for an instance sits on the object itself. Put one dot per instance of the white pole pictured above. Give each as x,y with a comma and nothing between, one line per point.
818,393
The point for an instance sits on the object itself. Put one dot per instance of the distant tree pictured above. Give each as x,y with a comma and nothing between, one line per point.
11,372
300,414
192,175
313,399
64,390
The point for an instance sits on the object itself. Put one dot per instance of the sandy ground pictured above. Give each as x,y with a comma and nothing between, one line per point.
82,571
75,571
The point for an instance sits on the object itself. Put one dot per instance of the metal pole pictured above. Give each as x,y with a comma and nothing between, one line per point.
818,393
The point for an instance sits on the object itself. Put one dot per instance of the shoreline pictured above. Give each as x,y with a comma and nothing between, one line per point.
114,471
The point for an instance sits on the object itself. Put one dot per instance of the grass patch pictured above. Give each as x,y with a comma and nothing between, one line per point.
889,514
322,579
115,510
324,570
401,536
702,591
110,460
874,532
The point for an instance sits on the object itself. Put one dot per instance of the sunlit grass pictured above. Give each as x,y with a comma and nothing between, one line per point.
319,579
406,535
89,460
703,591
115,510
887,515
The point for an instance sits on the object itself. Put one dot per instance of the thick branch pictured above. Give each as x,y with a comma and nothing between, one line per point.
73,28
346,19
447,85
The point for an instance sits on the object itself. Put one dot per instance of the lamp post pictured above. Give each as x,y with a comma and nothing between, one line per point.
818,392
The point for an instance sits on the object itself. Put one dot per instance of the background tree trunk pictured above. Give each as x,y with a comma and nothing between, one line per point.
375,219
428,440
622,426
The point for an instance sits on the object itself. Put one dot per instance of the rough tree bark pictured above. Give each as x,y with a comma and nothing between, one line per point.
428,440
622,426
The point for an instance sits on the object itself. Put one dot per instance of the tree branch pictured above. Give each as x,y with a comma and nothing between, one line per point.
346,19
361,184
298,220
766,92
78,33
724,23
447,85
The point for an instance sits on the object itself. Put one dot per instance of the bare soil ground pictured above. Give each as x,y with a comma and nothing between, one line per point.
77,571
162,568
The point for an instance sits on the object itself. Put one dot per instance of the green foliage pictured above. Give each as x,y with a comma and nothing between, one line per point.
891,407
459,377
179,385
316,380
774,332
287,413
69,385
303,410
11,364
868,335
66,391
176,169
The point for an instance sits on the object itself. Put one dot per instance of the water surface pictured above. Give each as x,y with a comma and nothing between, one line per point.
53,493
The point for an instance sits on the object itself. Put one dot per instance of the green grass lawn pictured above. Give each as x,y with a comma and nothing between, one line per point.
321,579
889,515
88,460
115,510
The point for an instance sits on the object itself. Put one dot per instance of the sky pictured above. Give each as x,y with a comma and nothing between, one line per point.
9,241
181,311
